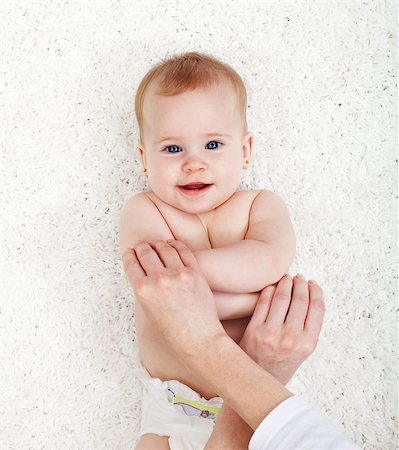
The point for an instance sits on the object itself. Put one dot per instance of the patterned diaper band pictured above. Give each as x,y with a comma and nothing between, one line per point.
193,408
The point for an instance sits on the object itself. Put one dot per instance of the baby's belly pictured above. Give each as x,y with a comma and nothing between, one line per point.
161,363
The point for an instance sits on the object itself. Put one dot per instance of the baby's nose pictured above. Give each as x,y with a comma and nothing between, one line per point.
194,164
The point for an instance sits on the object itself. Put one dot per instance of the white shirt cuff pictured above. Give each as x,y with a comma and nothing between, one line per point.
294,424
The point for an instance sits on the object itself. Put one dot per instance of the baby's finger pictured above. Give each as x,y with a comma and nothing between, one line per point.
186,255
314,319
280,302
262,306
296,316
131,266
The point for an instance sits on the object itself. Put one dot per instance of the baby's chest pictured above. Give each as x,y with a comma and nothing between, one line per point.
225,225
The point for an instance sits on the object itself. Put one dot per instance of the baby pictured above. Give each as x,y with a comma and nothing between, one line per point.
194,144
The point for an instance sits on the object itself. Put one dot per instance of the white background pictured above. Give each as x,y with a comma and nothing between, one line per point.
322,95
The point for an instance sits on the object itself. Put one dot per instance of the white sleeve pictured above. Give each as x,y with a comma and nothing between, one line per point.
294,424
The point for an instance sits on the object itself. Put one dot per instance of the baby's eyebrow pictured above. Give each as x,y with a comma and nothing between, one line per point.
176,138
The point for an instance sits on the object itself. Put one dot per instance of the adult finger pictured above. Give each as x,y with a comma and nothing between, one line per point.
296,316
262,306
280,302
314,319
131,266
167,253
148,258
185,254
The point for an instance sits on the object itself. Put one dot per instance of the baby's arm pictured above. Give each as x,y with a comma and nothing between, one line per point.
261,259
235,306
140,220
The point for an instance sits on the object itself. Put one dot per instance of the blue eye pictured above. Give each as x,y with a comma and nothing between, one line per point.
214,142
214,145
174,147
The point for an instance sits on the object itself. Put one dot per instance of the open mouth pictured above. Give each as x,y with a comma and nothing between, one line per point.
194,188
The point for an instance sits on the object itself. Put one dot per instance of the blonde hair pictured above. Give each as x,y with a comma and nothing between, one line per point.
185,72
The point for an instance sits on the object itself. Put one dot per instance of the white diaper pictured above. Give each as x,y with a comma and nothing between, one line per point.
171,408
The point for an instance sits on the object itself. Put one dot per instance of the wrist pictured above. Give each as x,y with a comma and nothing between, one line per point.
225,368
206,357
281,370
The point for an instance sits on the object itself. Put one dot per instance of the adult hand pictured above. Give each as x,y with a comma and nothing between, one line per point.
174,294
284,330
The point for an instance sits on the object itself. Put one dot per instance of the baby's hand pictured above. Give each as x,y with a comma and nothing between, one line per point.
283,331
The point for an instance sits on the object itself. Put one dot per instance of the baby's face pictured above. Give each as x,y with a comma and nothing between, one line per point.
195,137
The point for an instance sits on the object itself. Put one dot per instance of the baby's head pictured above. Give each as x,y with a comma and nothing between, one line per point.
191,113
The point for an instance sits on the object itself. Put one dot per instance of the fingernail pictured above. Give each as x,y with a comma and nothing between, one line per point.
313,282
299,275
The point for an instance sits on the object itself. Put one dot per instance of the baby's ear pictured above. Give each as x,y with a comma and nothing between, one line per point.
141,152
247,146
142,156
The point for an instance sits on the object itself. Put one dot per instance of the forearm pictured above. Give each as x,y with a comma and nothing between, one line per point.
247,266
248,389
230,431
231,305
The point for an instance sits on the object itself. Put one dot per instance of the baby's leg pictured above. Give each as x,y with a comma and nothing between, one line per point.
153,441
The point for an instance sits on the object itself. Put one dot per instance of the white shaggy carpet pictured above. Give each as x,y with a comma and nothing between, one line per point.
321,80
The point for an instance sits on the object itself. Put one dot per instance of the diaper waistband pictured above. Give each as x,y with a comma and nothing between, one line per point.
186,399
200,408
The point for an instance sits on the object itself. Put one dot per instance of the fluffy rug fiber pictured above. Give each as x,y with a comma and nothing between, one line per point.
321,81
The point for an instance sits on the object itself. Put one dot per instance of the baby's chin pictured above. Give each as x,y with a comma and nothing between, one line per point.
195,210
200,207
195,205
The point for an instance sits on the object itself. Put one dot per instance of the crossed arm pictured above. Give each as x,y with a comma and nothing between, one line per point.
235,273
259,260
281,334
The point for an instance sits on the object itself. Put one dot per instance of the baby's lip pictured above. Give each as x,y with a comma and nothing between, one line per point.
195,183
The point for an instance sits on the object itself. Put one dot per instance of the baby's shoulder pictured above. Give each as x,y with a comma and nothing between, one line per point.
251,193
263,195
143,202
243,198
231,219
140,220
242,203
137,200
255,192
